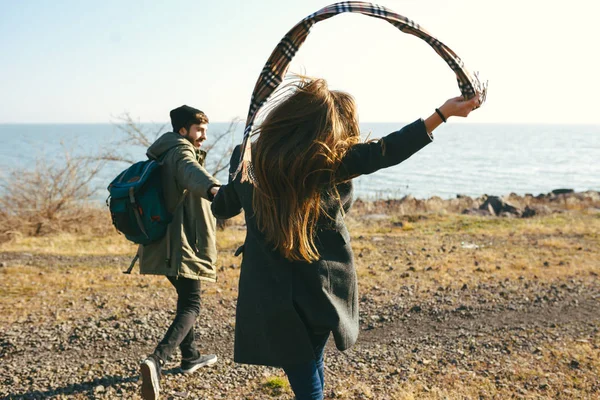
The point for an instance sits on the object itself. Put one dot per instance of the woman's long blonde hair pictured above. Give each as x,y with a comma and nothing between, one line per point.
299,147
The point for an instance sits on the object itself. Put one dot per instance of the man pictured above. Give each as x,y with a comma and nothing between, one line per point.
187,253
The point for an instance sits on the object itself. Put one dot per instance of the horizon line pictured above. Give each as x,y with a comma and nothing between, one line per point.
361,122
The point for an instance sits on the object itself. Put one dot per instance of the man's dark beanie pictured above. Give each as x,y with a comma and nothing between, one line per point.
182,117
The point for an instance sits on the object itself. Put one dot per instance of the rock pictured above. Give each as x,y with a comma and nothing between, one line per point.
496,206
562,191
408,204
476,212
531,211
435,203
591,196
415,309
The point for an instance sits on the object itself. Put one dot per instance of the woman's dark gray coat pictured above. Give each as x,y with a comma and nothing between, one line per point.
280,300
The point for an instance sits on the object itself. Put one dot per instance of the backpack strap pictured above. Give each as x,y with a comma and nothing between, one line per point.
137,255
179,203
138,217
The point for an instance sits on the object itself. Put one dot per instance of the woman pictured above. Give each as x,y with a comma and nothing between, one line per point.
298,279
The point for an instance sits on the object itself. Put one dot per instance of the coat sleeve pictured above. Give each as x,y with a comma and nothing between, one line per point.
366,158
190,174
226,203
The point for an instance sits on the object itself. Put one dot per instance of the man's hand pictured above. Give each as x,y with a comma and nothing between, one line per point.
214,190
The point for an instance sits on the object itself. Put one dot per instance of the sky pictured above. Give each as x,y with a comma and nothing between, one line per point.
91,61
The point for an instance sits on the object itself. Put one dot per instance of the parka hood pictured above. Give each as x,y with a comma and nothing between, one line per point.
166,142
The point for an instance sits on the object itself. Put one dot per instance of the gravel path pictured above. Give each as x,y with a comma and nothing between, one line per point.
92,351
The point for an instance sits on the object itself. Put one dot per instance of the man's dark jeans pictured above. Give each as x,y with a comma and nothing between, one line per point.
181,331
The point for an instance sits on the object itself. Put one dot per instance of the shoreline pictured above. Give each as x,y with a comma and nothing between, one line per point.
508,206
511,205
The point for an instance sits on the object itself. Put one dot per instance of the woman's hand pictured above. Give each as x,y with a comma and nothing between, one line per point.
454,107
459,107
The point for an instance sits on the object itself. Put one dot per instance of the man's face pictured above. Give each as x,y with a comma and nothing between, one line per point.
196,135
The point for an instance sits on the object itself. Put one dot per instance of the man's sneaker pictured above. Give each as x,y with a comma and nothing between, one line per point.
189,366
150,371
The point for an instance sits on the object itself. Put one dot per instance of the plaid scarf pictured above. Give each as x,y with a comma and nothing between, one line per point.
276,66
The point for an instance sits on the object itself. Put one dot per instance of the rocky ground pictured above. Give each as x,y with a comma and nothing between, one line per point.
452,306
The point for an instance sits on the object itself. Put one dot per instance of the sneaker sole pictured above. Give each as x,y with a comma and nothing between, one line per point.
150,385
197,366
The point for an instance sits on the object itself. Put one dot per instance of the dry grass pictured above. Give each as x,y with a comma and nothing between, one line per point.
547,374
441,250
101,239
437,250
70,244
41,294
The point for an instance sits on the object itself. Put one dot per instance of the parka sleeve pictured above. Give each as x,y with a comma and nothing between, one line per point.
226,203
366,158
190,174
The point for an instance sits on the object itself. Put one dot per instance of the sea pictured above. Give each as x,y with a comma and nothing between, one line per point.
464,159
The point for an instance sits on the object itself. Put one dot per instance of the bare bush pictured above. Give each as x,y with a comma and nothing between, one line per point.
136,136
50,197
54,196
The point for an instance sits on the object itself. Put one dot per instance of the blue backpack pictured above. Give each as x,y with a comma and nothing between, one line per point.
136,203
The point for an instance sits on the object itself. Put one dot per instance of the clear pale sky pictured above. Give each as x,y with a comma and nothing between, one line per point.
89,61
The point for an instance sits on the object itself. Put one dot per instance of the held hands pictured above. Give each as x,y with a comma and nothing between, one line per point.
459,107
214,190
